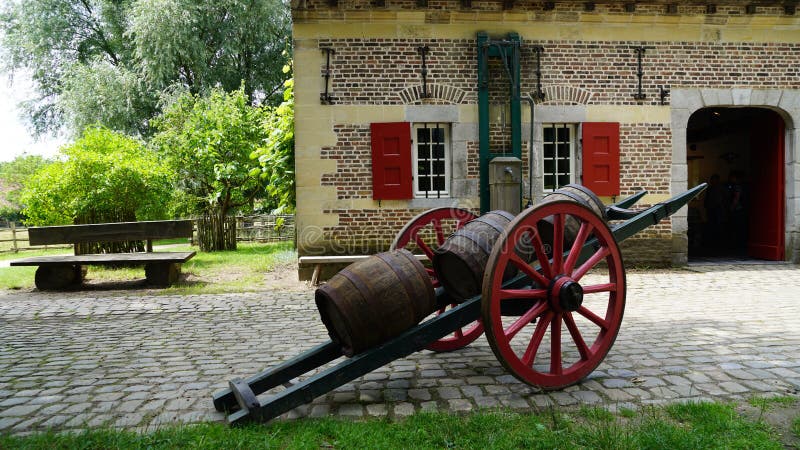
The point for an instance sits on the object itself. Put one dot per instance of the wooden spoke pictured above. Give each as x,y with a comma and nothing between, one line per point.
423,246
590,263
555,345
593,317
522,293
575,251
525,319
541,255
558,242
437,224
595,288
583,349
536,339
528,270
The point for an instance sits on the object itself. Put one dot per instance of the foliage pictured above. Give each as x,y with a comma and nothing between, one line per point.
104,176
208,141
213,43
276,156
109,61
50,38
480,430
100,93
14,175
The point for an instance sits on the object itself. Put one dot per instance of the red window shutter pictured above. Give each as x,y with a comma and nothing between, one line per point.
391,161
601,157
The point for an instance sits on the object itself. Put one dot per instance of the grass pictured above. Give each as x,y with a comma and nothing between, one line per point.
765,403
16,277
796,426
238,270
7,255
679,426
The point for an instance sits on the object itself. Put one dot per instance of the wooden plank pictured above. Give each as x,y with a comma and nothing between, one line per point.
110,232
342,259
121,259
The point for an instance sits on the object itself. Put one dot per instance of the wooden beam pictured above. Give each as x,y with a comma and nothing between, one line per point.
110,232
120,259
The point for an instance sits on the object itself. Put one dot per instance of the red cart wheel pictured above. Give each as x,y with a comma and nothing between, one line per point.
422,231
570,290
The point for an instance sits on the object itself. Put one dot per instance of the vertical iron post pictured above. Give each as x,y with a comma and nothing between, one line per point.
639,95
325,98
539,94
423,50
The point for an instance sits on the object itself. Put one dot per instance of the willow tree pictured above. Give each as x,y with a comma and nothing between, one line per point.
111,61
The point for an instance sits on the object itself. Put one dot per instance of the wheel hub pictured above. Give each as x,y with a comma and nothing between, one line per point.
565,294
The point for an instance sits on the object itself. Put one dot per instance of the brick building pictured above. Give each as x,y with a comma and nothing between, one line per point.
687,89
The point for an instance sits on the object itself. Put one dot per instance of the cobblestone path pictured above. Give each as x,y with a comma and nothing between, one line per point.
130,359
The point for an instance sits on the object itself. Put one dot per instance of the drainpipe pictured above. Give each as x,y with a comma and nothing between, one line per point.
529,99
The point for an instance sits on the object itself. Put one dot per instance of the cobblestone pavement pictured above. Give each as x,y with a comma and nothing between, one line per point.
129,359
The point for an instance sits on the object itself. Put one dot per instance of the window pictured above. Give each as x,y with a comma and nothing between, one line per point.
431,160
558,151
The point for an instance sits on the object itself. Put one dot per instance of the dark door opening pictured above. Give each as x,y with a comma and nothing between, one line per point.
740,153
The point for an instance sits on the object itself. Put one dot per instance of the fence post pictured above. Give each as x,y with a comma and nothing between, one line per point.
14,237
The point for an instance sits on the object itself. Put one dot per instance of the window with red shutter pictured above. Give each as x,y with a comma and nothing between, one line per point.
391,161
601,157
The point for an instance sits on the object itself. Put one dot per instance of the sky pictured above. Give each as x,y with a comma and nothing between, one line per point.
15,138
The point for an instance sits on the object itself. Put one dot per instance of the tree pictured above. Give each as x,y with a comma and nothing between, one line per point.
208,140
276,156
204,44
110,61
104,176
14,176
114,96
49,39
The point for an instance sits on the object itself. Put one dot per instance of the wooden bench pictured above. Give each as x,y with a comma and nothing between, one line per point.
318,261
65,271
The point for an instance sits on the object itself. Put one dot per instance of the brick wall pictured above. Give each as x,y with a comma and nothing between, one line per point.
562,10
373,71
386,71
352,153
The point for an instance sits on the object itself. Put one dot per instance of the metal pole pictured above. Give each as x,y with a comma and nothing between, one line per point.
530,101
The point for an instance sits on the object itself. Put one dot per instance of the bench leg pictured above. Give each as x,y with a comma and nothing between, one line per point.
58,277
315,275
162,274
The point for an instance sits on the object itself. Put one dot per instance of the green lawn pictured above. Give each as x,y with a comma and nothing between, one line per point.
678,426
241,270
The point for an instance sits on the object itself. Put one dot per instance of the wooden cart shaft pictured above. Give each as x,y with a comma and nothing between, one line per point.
241,397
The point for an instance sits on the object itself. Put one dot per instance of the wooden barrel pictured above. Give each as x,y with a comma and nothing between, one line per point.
374,300
460,262
571,193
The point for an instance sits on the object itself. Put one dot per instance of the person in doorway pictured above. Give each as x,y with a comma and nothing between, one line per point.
737,208
716,212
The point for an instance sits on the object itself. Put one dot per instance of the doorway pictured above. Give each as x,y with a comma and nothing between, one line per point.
740,153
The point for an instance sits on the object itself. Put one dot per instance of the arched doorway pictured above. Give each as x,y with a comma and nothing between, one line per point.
739,151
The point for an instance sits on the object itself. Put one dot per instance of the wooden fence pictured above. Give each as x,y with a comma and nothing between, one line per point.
265,228
255,228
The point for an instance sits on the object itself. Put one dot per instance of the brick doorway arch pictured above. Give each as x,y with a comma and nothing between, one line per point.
786,103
